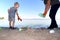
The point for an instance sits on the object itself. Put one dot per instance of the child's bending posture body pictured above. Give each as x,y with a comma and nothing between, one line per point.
11,15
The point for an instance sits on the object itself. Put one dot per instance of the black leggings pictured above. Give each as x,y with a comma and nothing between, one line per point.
52,15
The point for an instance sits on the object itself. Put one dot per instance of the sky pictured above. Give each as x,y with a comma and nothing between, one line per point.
29,9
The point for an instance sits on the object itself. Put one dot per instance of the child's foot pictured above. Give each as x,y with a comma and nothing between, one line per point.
12,28
41,15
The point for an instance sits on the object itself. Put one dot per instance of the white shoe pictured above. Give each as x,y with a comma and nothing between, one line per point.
52,31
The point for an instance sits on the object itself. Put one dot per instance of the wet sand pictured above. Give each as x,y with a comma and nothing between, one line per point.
29,34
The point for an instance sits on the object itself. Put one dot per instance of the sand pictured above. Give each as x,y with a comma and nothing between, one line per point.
29,34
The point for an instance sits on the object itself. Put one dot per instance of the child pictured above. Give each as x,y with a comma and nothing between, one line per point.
11,15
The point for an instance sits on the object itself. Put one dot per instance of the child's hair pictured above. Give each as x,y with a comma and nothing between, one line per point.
16,3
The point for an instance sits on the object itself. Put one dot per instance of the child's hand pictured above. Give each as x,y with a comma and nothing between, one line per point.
19,18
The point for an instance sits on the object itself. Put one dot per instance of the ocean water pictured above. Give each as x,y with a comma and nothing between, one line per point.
34,23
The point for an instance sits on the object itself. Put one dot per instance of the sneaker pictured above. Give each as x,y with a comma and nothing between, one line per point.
52,31
52,27
41,15
12,28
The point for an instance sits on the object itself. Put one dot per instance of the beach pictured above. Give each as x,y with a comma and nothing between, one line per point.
29,34
38,30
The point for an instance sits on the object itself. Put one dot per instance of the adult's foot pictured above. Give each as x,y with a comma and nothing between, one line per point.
52,27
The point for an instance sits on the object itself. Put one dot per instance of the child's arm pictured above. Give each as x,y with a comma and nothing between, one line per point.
18,16
47,6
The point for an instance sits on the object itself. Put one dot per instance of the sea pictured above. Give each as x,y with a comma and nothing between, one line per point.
33,23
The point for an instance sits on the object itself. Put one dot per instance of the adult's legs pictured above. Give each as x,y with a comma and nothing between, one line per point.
52,15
